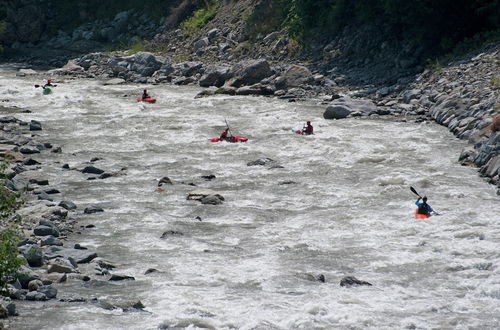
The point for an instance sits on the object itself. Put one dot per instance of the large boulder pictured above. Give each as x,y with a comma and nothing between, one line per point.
250,72
215,76
187,69
296,76
345,106
143,63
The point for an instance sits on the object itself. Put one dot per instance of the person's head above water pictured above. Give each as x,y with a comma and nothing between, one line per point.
424,199
308,122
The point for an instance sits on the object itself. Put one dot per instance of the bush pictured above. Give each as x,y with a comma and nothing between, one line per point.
201,17
8,199
9,259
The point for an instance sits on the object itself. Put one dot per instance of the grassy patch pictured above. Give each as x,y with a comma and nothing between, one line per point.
200,18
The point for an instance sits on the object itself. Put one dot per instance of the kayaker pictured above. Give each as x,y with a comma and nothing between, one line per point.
145,95
423,207
308,129
224,134
48,84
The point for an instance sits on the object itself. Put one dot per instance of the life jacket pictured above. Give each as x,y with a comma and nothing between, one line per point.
423,209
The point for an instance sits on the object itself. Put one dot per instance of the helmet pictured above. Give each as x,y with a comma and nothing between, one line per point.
424,199
308,122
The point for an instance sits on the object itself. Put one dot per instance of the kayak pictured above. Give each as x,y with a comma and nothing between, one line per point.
47,91
149,100
299,131
421,216
231,140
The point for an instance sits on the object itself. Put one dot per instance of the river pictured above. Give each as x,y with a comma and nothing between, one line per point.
340,205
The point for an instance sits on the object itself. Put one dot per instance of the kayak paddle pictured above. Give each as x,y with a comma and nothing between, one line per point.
416,193
227,125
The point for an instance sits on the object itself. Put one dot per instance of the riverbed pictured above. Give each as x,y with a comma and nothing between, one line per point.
336,203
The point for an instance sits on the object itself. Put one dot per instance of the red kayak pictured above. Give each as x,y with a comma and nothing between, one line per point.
421,216
233,139
149,100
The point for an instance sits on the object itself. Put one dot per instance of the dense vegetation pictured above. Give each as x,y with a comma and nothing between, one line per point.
436,24
9,235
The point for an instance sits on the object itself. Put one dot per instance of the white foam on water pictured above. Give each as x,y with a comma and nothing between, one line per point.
250,263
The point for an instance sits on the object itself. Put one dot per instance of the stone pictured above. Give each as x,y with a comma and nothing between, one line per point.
36,296
349,281
92,209
34,285
171,233
49,291
215,76
68,205
296,76
198,194
29,150
261,162
33,255
46,231
50,240
57,277
114,81
255,89
200,44
92,170
30,161
211,200
116,277
250,72
35,125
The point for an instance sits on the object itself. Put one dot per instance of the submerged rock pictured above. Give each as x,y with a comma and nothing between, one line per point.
349,281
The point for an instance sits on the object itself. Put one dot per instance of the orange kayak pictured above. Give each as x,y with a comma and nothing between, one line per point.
421,216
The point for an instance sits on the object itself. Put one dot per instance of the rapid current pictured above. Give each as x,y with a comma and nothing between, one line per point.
340,205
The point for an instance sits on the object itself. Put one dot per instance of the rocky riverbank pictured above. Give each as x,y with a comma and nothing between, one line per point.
44,220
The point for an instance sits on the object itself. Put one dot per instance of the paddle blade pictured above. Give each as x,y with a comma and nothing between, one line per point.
414,191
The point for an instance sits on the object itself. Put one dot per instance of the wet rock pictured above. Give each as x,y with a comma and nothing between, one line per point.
261,162
33,255
165,180
201,193
51,191
92,170
35,125
209,177
49,291
255,89
30,162
171,233
25,275
150,271
4,313
78,246
61,267
345,106
44,196
34,285
116,277
51,240
36,296
92,209
79,256
29,150
68,205
336,112
121,304
212,200
57,277
46,231
349,281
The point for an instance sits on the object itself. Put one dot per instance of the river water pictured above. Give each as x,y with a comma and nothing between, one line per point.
248,263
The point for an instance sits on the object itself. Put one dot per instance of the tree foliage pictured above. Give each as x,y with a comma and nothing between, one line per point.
436,23
9,259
